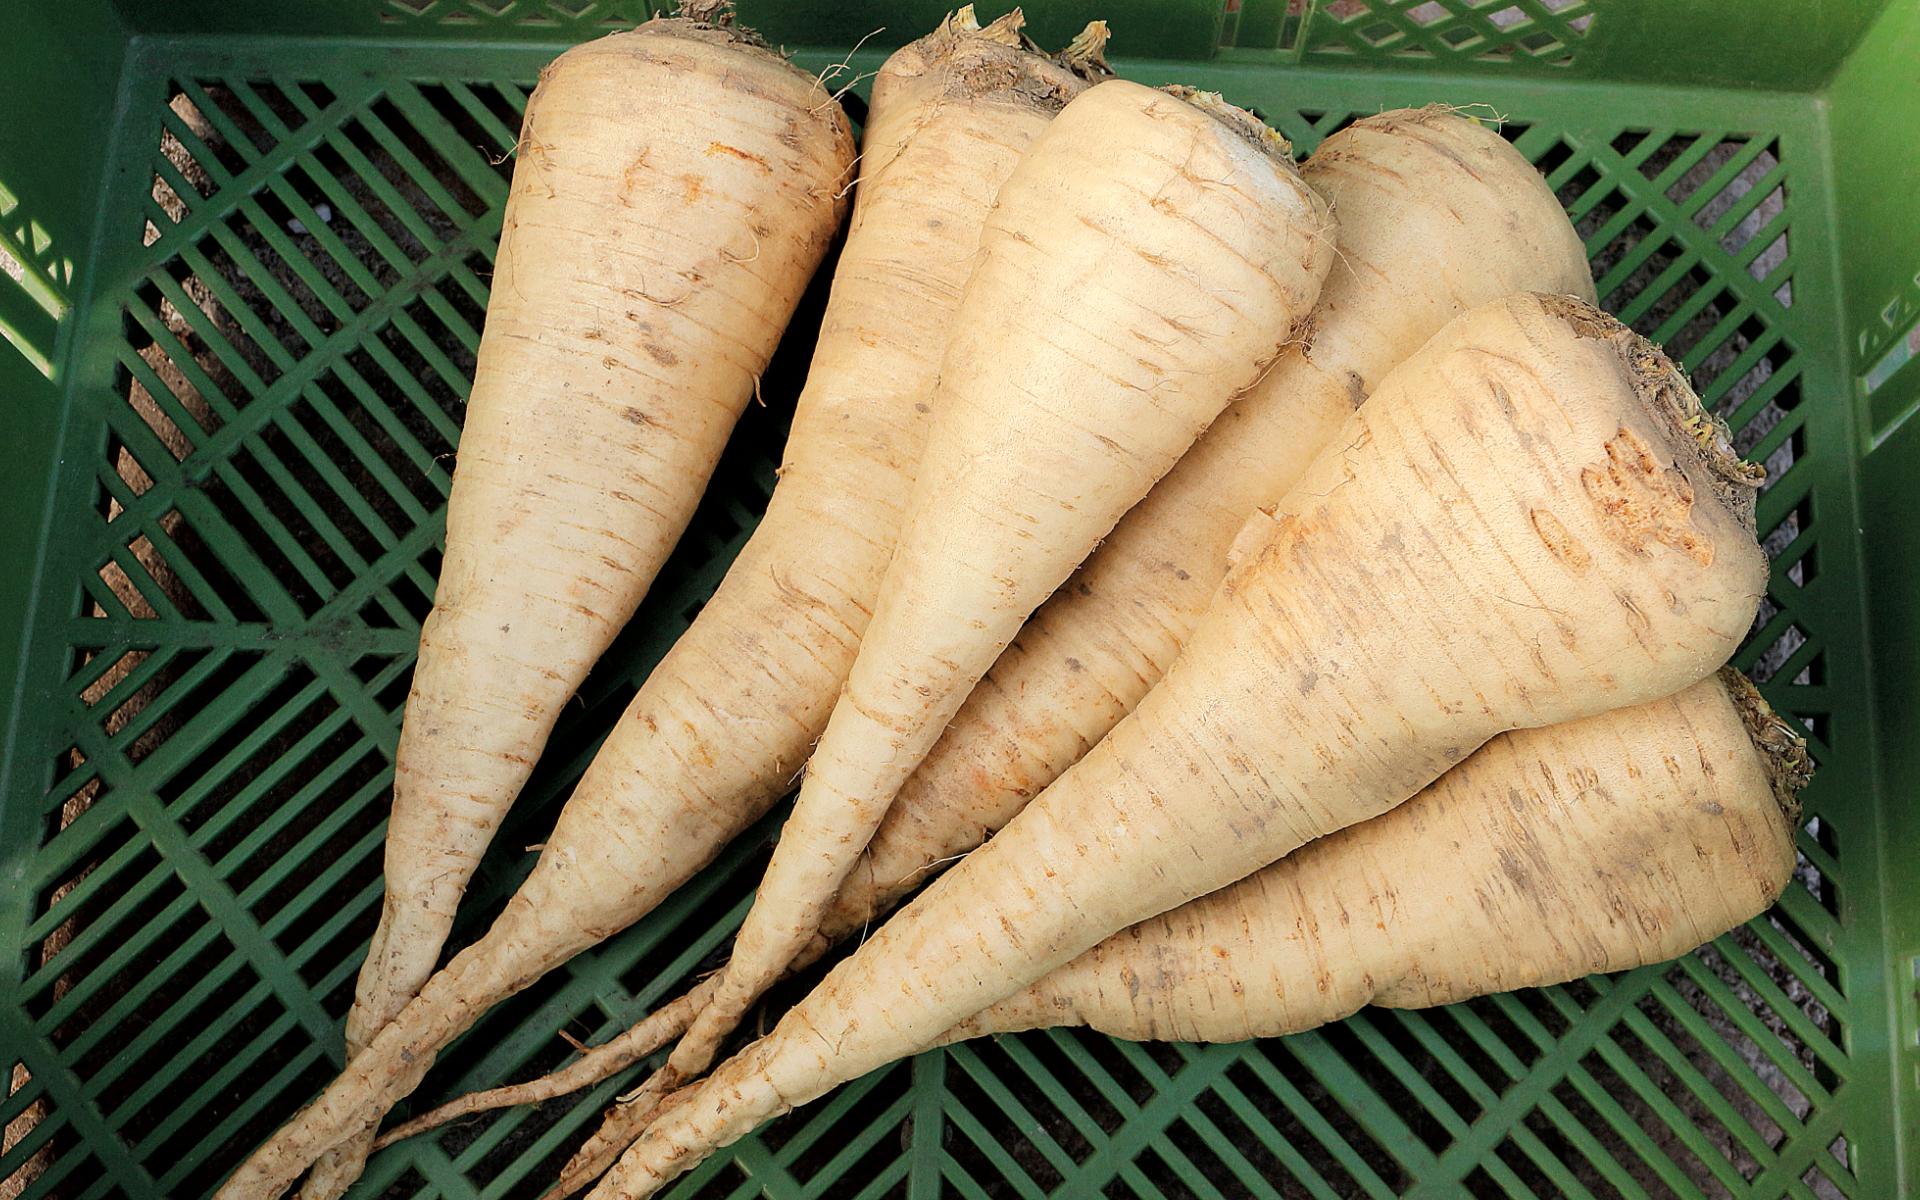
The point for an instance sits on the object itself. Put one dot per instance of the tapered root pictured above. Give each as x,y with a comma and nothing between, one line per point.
599,1063
624,1123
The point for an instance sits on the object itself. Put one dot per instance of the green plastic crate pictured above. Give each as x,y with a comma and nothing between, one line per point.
246,247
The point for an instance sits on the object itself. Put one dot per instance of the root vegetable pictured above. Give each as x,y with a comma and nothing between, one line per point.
718,730
1530,521
647,267
1438,214
1143,263
1602,844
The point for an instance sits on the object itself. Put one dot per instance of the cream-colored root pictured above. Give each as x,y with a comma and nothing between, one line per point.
1531,520
1142,264
1480,224
717,731
618,352
1438,215
1599,845
596,1064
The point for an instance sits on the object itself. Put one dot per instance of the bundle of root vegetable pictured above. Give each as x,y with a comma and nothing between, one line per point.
1312,596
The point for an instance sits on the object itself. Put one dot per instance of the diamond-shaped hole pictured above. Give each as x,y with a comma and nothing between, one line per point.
1380,34
1509,17
1429,12
1627,140
1460,37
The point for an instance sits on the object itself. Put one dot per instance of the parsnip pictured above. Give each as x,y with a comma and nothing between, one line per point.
1438,214
1599,845
1148,257
719,728
1530,521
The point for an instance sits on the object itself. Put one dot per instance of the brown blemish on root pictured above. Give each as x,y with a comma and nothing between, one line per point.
1561,544
1692,432
1642,502
714,148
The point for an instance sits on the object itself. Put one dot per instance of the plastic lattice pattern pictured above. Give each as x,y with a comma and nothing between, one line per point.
1459,31
586,16
282,342
37,278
